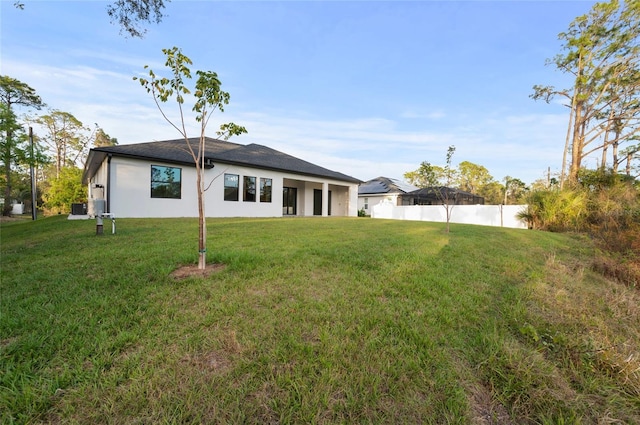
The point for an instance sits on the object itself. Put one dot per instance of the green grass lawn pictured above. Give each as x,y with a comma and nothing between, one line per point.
337,320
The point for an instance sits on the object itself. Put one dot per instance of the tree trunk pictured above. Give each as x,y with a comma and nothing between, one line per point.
6,209
506,191
58,161
202,245
447,208
605,143
563,173
576,144
615,153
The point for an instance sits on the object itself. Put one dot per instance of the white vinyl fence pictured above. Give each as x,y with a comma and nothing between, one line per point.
486,215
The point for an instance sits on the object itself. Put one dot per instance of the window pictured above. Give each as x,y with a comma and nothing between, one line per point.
166,182
265,190
249,189
366,203
231,187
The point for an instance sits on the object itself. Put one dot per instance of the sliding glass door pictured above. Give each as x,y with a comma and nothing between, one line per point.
289,200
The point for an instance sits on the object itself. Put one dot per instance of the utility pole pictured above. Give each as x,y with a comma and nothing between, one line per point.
34,213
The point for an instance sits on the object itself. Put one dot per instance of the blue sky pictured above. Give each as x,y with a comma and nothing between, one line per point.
367,88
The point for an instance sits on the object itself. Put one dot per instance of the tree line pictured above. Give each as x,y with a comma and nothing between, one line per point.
601,54
600,51
59,151
57,154
472,178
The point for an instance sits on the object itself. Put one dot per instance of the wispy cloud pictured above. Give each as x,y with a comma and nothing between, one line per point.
364,147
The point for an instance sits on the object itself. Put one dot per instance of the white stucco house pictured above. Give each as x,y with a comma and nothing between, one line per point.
158,179
381,189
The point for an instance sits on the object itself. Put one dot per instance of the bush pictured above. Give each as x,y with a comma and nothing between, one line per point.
64,191
604,205
556,210
600,201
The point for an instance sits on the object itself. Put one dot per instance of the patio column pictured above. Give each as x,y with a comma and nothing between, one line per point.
352,203
325,199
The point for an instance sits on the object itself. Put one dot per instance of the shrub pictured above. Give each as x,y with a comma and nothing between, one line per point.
556,210
65,190
606,206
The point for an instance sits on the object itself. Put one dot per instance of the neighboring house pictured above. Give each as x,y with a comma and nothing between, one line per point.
438,195
381,189
158,179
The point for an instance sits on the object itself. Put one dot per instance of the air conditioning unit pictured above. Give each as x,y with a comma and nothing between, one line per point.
78,209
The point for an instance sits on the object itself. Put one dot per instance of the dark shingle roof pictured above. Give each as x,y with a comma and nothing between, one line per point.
384,185
440,191
176,151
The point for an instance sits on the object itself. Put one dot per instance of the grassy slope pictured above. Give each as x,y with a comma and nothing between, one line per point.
312,321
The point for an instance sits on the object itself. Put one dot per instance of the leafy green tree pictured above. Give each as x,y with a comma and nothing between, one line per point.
440,179
64,190
426,175
13,93
129,14
550,183
102,139
472,177
468,177
515,191
623,121
627,157
492,192
209,97
21,186
66,138
13,153
602,54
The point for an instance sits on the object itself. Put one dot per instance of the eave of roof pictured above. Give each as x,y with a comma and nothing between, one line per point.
177,152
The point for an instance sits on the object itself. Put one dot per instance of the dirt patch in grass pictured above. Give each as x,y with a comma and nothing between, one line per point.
214,361
192,270
8,218
485,409
6,342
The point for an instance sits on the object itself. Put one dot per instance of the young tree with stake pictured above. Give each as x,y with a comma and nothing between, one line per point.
208,97
449,199
433,177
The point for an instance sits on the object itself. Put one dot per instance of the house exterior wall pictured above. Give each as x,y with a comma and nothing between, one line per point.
130,192
375,199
